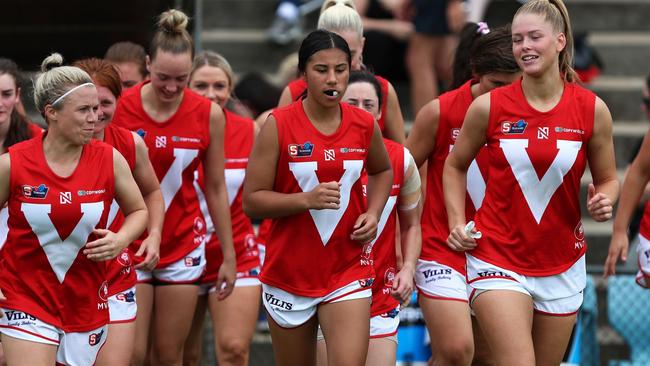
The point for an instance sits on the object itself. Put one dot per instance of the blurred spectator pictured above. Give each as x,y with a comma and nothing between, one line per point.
387,28
286,27
475,10
431,48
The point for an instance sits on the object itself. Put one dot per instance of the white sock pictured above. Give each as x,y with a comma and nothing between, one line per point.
288,11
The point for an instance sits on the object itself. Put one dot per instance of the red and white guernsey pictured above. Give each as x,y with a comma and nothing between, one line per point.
238,143
297,88
311,254
382,249
644,227
120,273
44,270
530,217
176,147
435,225
35,131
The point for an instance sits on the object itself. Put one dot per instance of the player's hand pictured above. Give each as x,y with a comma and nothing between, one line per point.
459,239
325,196
618,247
226,278
598,204
403,284
365,228
108,246
150,248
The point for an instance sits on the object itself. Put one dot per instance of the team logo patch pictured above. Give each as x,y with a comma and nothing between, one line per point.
301,151
514,128
95,338
142,133
126,296
124,258
391,314
389,277
454,133
103,291
192,261
579,231
199,226
366,282
39,192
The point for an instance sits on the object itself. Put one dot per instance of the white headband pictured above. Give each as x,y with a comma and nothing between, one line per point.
70,91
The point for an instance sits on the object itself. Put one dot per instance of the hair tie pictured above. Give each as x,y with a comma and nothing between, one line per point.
483,28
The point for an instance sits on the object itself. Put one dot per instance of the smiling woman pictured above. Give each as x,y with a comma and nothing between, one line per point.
182,131
38,180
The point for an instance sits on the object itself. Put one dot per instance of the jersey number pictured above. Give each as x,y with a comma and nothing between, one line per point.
327,220
538,192
61,253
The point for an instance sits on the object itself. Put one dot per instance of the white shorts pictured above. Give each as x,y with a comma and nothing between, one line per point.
643,261
290,311
440,282
244,279
122,307
186,270
73,349
559,295
385,325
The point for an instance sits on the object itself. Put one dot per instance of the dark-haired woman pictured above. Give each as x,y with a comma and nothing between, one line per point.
304,172
14,127
526,271
181,129
483,61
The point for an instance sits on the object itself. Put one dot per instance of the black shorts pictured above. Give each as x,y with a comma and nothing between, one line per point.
431,17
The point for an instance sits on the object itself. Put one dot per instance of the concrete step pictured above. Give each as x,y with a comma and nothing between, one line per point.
622,53
622,94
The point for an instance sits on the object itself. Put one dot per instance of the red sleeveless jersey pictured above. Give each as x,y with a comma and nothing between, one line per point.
644,227
34,131
44,270
239,137
120,272
311,253
298,87
176,147
382,249
435,224
530,217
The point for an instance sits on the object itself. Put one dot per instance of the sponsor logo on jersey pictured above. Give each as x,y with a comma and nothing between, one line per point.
192,261
301,151
454,133
274,301
237,160
39,192
433,275
569,130
142,133
13,315
82,192
542,133
366,282
329,154
126,296
161,142
514,128
95,338
493,274
186,139
351,150
65,198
